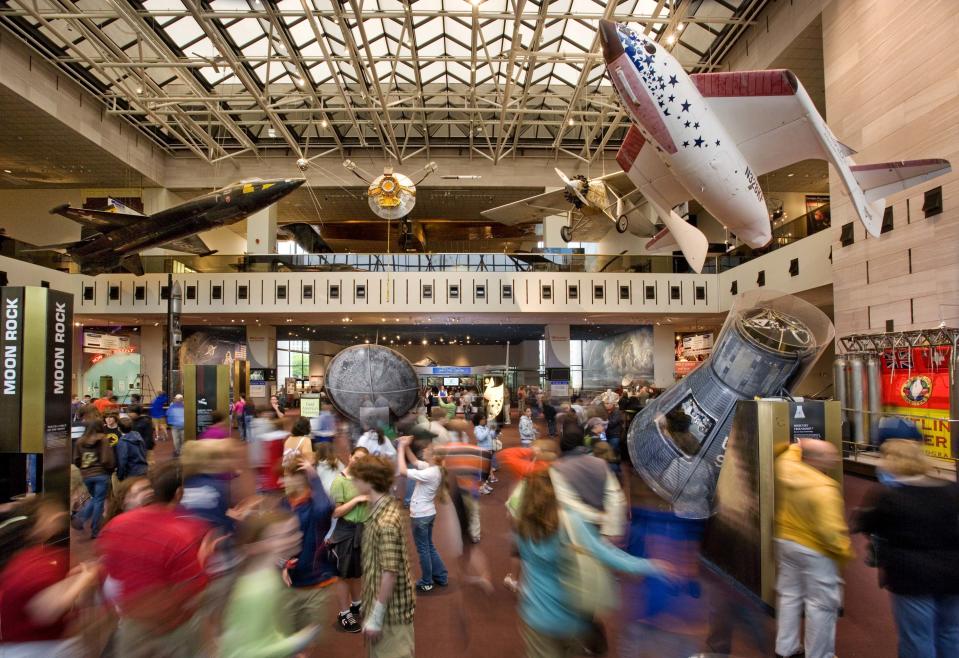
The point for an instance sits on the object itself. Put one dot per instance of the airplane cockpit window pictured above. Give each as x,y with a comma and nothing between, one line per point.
650,48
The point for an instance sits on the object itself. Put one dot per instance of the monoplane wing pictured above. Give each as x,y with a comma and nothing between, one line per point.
529,210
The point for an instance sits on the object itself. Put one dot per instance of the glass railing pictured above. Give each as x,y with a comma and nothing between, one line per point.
783,235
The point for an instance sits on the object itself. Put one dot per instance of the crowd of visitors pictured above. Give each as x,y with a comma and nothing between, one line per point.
259,545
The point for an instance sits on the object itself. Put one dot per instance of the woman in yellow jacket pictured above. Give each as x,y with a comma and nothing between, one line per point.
812,544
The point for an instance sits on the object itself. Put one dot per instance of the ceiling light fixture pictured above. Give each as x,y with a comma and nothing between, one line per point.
7,171
324,123
671,39
423,341
298,81
271,132
680,27
572,122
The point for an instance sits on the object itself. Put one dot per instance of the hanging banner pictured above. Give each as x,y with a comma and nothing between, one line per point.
915,384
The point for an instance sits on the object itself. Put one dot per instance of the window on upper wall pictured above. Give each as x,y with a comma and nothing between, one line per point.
140,293
292,359
281,292
794,267
191,292
308,291
761,278
734,288
507,291
114,293
216,292
846,234
887,222
242,292
932,202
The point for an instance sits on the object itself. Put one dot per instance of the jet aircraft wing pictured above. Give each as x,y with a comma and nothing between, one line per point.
99,220
189,245
765,115
531,209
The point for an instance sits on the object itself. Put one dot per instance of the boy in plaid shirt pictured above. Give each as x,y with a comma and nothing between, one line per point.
388,598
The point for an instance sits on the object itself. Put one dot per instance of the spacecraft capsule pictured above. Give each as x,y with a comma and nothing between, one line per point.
677,444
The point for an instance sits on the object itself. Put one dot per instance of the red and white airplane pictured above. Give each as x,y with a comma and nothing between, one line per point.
708,136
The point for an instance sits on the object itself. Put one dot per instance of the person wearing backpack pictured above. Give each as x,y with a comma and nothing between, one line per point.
131,452
94,456
557,601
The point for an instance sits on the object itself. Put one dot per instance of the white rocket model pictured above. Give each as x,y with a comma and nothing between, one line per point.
708,136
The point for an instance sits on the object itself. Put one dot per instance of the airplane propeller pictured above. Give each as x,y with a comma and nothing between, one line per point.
573,187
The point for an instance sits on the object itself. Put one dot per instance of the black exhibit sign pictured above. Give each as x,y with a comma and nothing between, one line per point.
807,419
11,381
207,393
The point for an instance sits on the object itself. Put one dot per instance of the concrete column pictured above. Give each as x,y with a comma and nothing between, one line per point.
261,231
664,355
557,346
261,346
151,358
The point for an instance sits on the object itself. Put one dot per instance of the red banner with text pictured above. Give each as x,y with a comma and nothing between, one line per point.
915,382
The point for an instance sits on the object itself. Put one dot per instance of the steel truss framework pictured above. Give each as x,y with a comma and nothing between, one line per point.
494,78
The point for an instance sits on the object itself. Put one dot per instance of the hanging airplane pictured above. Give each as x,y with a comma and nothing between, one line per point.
589,204
114,237
708,136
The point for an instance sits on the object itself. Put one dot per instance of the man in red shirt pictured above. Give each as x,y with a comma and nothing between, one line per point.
104,404
154,558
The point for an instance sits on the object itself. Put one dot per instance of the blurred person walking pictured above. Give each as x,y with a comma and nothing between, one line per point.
323,427
143,425
175,418
219,428
485,440
310,574
131,452
346,543
257,621
555,623
388,596
912,520
154,558
376,444
95,459
328,465
429,478
158,414
812,544
527,432
299,444
38,590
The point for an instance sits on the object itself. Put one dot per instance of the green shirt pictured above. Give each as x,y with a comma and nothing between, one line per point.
342,491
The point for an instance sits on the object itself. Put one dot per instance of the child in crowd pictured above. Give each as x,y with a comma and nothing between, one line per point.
429,480
527,433
486,439
257,622
131,452
345,543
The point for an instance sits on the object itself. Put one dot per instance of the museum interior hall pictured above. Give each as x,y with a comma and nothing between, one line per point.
527,328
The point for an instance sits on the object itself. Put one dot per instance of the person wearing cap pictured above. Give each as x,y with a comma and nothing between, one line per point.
175,418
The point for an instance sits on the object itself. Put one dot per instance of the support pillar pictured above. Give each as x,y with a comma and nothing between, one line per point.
261,231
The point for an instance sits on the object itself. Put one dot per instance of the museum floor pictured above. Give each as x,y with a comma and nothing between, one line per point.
462,621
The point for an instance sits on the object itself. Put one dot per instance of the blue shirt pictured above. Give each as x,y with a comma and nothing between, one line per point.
544,600
484,436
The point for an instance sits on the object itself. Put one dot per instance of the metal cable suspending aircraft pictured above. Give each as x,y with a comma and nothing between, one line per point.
708,136
589,203
113,238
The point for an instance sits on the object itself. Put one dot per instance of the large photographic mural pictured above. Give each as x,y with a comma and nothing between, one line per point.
619,360
213,346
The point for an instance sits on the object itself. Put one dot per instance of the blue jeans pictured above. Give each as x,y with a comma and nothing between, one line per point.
408,493
434,571
97,485
928,625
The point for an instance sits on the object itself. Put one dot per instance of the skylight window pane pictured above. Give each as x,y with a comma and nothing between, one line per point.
163,5
184,30
245,30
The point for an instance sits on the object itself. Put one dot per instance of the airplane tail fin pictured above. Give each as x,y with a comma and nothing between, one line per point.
881,179
690,240
122,209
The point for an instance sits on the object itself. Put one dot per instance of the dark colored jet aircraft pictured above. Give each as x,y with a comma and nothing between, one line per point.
113,238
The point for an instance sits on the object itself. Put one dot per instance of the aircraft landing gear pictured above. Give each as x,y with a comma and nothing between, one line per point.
622,224
566,232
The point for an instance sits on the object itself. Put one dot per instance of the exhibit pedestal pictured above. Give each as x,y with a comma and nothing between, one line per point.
739,538
205,390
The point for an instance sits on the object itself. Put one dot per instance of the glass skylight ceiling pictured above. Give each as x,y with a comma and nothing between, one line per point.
213,78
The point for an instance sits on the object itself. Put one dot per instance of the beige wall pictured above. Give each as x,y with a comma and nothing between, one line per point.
891,92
